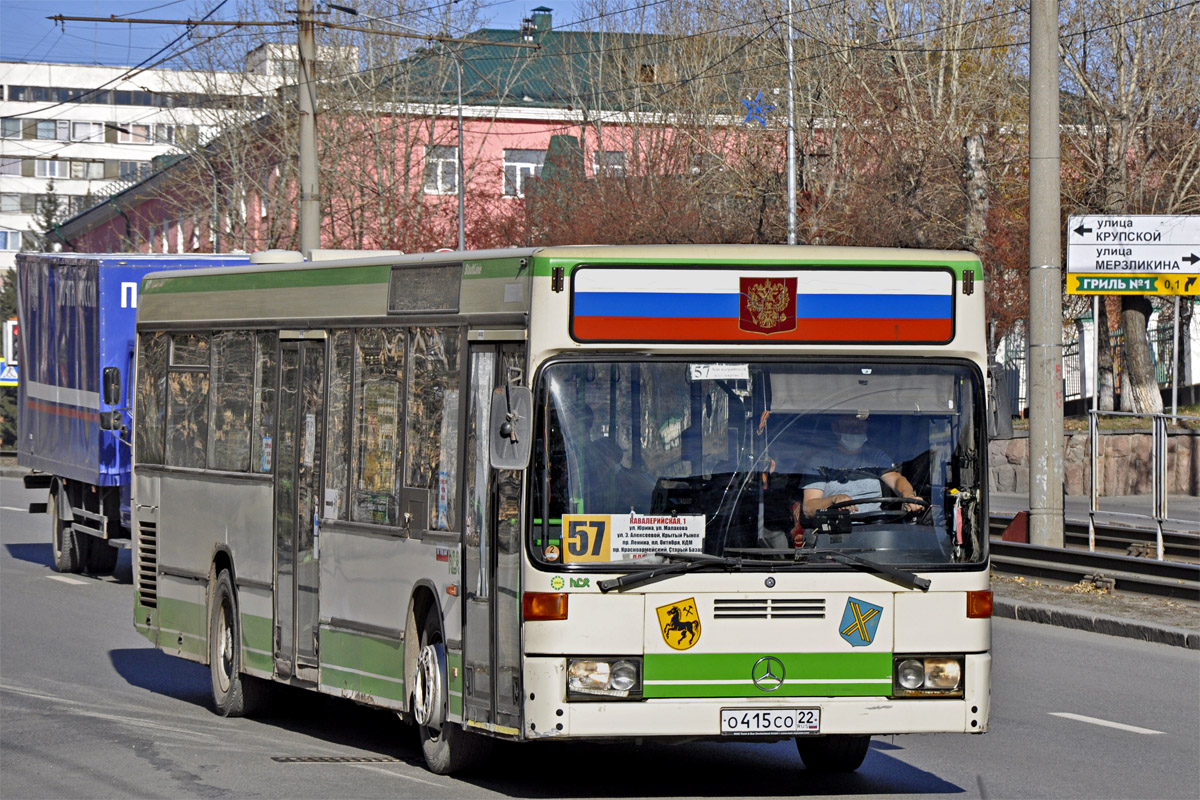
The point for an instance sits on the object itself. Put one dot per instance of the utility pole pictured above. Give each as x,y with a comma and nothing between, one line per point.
310,185
309,220
1045,288
791,133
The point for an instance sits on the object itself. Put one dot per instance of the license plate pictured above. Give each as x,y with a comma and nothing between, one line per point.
749,721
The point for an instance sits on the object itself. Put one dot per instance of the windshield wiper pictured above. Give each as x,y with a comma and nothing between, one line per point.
903,577
682,563
793,557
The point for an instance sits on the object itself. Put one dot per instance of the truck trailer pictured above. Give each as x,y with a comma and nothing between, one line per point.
77,315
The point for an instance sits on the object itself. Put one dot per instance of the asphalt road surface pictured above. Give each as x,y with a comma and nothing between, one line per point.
89,709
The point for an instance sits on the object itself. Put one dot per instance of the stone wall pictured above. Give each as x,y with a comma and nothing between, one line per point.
1124,467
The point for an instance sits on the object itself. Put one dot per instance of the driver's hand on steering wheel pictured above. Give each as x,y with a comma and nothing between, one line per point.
915,506
842,498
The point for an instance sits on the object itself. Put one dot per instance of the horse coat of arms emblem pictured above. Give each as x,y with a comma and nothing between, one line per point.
680,623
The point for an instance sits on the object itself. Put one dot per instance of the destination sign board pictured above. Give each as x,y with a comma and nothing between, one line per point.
1138,243
1124,283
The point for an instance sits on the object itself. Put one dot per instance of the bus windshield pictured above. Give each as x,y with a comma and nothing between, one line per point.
640,461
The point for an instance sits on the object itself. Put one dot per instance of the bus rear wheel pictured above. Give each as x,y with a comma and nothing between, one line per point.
64,541
837,753
448,748
234,694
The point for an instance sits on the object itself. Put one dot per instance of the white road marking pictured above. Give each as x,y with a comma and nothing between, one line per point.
65,579
1094,721
382,771
24,510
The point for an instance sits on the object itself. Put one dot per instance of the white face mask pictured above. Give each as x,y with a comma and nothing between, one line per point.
853,441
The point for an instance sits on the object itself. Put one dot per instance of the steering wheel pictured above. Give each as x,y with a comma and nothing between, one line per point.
899,513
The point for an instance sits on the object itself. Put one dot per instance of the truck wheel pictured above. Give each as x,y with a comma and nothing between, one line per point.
447,747
64,542
234,694
99,557
844,753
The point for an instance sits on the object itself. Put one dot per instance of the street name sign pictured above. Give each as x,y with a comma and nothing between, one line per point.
1134,254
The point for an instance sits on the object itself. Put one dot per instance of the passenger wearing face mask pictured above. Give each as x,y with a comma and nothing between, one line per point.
853,471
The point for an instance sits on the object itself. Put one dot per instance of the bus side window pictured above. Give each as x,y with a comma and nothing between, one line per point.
151,397
433,402
379,372
187,401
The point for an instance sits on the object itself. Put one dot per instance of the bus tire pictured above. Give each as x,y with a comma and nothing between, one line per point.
448,749
99,557
837,753
64,542
234,694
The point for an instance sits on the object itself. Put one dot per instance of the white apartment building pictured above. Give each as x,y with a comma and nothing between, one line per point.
93,130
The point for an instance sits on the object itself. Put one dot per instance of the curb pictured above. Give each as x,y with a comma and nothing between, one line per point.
1098,623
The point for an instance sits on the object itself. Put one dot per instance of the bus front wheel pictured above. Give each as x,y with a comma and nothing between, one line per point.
234,694
446,746
64,541
844,753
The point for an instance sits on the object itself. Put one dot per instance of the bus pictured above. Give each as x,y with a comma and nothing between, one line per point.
575,493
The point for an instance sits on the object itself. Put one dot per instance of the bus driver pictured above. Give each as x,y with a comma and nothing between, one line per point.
852,472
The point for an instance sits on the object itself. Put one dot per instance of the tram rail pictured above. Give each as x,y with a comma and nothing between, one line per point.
1123,560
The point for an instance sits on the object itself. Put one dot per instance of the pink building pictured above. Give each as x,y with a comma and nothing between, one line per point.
390,173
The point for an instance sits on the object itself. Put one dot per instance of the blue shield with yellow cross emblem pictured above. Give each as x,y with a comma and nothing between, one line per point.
860,621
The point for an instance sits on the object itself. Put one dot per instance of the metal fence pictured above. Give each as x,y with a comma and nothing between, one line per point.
1074,387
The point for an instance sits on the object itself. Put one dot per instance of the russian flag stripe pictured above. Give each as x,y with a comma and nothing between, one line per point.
716,306
724,281
683,329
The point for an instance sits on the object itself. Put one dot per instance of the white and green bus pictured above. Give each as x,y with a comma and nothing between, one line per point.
671,492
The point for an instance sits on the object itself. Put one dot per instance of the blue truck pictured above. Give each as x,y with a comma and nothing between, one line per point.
77,317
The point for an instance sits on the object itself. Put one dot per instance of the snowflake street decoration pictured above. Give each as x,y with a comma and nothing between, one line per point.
758,110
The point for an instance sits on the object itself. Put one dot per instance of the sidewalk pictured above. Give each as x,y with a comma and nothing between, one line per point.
1135,511
1150,619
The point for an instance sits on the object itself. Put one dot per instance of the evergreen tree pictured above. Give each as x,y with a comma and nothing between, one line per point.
49,214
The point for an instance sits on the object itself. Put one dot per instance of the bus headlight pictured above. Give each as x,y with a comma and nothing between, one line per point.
928,676
596,678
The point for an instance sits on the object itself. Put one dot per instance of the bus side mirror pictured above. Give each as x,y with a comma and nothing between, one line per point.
112,386
511,428
1000,424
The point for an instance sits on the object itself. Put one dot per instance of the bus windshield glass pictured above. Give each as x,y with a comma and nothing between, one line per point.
647,460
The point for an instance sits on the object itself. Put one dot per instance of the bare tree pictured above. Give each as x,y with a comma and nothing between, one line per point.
1133,64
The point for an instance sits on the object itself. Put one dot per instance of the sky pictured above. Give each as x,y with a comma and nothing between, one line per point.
26,34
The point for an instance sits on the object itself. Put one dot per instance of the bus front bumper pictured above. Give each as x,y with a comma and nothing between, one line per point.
549,715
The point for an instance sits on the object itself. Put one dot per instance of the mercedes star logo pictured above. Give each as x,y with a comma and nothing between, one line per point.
768,673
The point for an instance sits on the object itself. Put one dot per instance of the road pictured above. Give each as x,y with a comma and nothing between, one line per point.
89,709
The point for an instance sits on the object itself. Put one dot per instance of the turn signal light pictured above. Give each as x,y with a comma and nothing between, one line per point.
979,605
544,605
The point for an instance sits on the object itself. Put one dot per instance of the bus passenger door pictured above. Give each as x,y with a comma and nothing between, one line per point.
299,447
492,558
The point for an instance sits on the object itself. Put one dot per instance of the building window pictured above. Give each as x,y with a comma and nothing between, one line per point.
134,170
441,170
10,128
610,163
45,168
87,170
10,203
133,134
10,240
519,166
87,132
10,166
